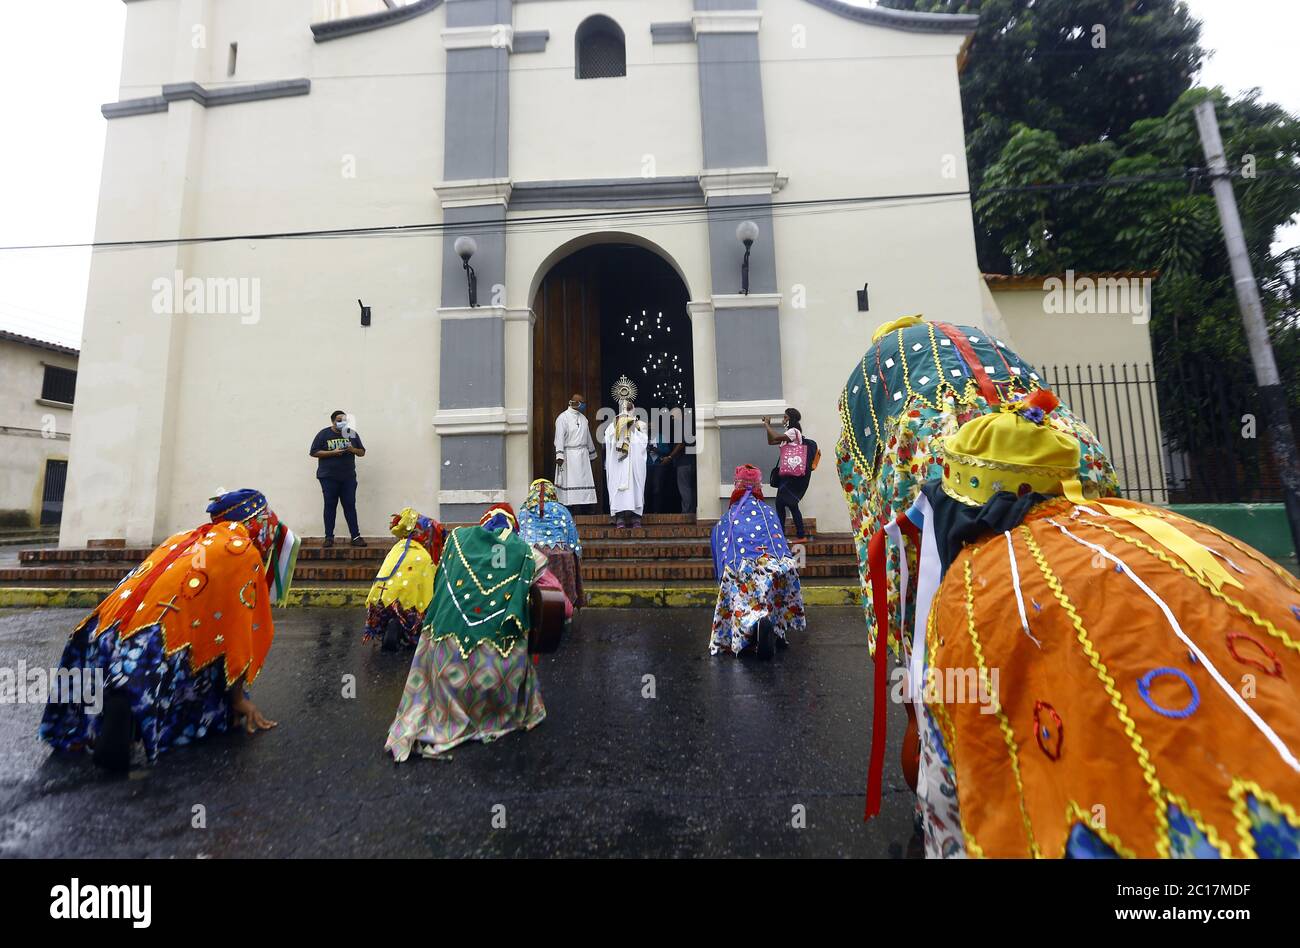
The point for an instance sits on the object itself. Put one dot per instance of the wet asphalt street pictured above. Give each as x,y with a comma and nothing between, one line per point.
717,763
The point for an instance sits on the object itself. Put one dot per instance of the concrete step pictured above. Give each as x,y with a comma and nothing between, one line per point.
24,538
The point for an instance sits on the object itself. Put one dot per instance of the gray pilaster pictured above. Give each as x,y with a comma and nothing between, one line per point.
473,462
473,363
475,148
749,353
727,253
731,100
486,223
739,446
477,127
734,137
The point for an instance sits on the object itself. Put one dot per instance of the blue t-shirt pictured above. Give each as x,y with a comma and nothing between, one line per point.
342,468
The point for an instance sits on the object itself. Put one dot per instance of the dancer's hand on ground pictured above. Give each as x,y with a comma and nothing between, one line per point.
254,720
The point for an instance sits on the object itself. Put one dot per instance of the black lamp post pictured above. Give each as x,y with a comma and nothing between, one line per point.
465,248
746,233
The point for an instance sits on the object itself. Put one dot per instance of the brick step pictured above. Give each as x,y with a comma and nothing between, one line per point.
597,520
696,568
702,570
596,538
597,550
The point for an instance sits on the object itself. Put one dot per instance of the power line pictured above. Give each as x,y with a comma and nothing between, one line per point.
675,214
565,68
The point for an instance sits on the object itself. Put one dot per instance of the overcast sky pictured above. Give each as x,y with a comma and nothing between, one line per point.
60,61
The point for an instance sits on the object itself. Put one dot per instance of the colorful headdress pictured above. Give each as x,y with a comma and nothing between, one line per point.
500,516
1010,450
419,529
276,541
747,476
540,493
239,506
546,522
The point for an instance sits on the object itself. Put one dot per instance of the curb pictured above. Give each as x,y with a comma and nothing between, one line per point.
680,597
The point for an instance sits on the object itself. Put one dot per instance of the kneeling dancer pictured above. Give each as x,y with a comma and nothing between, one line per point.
471,679
403,587
181,638
759,600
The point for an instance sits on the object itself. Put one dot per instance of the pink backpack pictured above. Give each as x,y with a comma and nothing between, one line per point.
794,457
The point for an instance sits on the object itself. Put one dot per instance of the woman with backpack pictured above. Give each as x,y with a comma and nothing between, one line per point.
794,468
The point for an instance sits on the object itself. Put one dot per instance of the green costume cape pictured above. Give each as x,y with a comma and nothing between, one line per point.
481,590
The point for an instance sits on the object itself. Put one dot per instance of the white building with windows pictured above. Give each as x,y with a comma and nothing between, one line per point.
601,157
38,384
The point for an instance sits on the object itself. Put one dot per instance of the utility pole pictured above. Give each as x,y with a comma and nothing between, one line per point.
1271,393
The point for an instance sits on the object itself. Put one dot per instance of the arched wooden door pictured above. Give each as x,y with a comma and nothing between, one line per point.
603,311
566,356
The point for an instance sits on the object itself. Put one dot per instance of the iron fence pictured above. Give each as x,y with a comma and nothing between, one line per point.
1192,435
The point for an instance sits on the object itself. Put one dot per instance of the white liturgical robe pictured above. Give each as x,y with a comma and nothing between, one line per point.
573,443
625,473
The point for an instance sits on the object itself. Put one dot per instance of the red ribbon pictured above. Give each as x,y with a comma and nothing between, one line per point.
880,603
986,386
879,599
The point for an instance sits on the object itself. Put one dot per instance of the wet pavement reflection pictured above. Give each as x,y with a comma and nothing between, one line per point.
718,762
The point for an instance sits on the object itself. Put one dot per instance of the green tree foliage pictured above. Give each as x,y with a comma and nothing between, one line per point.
1062,92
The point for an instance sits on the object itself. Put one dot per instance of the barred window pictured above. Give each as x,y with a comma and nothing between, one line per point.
601,53
60,385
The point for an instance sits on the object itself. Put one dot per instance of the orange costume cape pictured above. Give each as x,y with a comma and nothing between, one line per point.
1105,713
208,589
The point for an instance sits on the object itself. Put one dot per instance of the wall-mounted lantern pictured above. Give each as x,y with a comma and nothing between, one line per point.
365,313
465,248
746,233
862,299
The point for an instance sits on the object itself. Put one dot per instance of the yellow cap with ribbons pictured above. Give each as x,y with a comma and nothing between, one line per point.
1010,450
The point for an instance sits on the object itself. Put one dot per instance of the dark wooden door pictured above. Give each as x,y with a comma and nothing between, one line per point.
566,356
56,479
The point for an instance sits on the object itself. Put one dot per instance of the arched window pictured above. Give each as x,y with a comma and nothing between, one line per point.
601,53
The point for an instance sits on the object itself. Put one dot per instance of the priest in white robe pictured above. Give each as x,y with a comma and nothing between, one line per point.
574,452
626,442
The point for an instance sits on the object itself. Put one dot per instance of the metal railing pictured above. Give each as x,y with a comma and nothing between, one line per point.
1193,435
1120,404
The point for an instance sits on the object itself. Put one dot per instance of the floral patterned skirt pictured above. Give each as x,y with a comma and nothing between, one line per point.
568,570
450,700
377,618
171,704
751,593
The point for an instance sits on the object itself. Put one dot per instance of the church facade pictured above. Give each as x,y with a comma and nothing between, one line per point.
603,160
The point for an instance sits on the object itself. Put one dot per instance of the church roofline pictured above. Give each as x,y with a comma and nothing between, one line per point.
912,20
350,26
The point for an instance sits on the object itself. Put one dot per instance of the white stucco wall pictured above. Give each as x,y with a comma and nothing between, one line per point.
173,407
860,111
644,124
32,431
245,395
